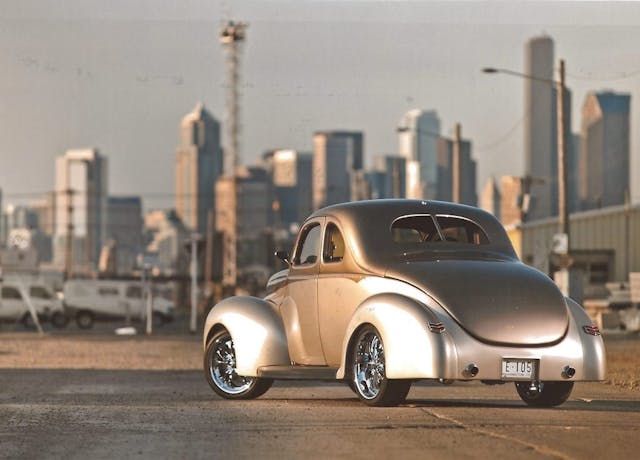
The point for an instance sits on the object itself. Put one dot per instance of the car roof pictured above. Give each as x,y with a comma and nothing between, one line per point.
367,225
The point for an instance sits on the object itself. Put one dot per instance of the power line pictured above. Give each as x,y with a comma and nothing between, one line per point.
591,77
504,137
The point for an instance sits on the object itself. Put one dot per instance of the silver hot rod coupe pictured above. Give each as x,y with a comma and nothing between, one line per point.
383,293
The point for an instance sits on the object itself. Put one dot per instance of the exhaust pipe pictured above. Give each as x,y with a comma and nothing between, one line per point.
568,372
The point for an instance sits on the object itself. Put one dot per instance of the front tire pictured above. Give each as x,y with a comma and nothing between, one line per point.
220,370
368,377
84,319
547,394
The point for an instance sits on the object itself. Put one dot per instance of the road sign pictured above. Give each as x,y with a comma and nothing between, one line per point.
560,243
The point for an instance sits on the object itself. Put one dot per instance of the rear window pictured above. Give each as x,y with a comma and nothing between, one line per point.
426,228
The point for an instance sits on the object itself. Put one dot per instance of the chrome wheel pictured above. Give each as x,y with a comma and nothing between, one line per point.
222,367
368,366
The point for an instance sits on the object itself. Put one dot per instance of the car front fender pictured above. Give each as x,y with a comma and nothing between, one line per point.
256,329
411,350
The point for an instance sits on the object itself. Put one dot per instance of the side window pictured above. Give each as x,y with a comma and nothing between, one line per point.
134,292
39,292
108,291
309,246
9,292
333,250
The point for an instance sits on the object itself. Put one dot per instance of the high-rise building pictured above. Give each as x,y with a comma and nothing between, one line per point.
490,197
389,177
198,164
446,173
243,206
81,195
124,230
337,167
540,138
418,136
513,202
604,154
291,177
45,212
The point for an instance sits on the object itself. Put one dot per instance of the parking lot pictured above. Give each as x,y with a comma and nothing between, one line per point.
96,395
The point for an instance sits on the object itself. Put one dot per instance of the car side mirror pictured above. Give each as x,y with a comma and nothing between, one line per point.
284,256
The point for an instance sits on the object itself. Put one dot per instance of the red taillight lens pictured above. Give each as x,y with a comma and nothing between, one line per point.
591,330
438,328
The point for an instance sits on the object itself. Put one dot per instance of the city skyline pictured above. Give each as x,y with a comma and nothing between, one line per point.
52,69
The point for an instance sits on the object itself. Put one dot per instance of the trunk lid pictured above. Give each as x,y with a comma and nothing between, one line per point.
500,302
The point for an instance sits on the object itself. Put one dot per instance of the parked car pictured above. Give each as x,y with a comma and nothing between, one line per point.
13,306
383,293
90,300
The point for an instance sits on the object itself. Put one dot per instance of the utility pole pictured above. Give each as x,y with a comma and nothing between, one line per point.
231,37
563,208
195,237
455,174
68,250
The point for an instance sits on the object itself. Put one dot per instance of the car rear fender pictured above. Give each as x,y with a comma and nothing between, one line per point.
411,350
256,329
593,352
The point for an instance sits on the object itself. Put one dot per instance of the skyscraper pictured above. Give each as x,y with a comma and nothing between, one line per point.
291,173
540,138
124,228
389,178
81,196
604,149
490,197
337,166
446,173
418,141
198,164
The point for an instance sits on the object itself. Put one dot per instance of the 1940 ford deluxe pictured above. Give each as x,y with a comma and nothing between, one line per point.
382,293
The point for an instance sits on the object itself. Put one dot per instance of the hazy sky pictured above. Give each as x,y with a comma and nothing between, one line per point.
120,74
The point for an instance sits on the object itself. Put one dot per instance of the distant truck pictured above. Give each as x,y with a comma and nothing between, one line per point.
13,307
91,300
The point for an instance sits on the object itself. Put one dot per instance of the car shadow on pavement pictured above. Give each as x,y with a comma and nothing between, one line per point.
571,405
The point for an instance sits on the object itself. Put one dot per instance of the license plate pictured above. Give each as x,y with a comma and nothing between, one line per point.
521,369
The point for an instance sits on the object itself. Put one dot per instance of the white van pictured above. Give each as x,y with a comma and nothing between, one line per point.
89,300
13,307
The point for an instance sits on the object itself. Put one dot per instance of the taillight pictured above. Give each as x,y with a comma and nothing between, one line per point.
437,328
591,330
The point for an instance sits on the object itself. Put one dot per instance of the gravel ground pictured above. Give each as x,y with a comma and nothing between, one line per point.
184,352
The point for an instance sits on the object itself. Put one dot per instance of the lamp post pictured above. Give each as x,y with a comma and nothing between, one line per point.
563,209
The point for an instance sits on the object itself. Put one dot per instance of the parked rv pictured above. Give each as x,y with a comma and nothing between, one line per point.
13,306
91,300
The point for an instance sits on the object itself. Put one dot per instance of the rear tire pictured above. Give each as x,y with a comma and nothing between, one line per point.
220,370
367,374
549,394
84,319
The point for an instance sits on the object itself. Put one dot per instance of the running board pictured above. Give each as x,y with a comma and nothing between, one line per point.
298,372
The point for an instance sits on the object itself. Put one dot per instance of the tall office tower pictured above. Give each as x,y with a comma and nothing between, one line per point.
466,174
248,195
540,138
81,206
198,164
513,204
604,154
418,135
337,165
291,174
124,228
389,177
490,197
573,173
45,211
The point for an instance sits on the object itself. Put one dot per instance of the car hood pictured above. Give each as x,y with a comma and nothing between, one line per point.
500,302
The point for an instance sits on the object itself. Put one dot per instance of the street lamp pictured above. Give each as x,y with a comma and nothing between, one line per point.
563,209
